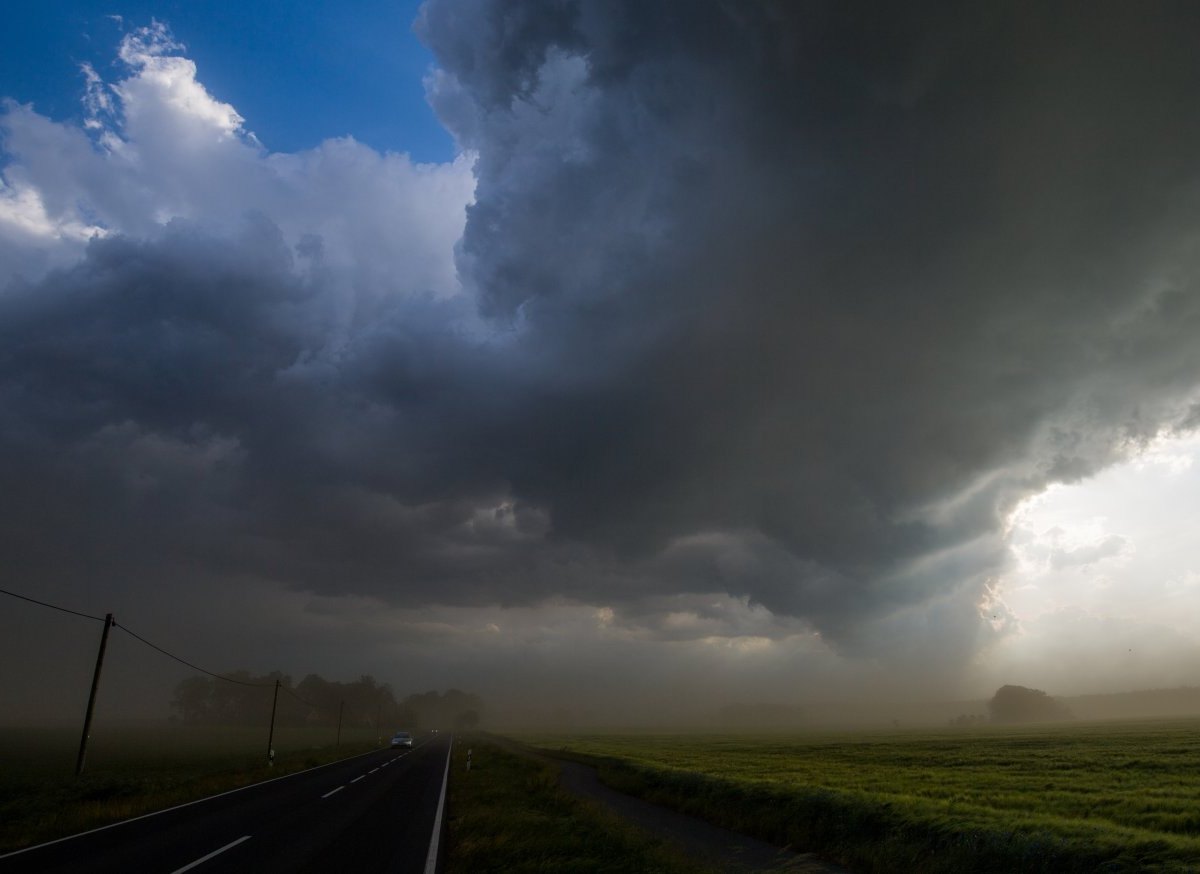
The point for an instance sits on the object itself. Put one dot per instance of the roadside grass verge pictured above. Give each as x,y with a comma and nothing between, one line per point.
1110,798
138,770
508,814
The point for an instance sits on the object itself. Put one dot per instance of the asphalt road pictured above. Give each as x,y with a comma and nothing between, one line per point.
372,813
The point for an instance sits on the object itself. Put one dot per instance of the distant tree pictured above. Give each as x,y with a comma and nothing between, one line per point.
209,700
315,701
446,709
193,699
363,703
1012,704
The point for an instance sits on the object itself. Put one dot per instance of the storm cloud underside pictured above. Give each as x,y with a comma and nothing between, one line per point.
786,303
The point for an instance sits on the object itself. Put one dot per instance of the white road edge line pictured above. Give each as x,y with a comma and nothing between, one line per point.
181,806
333,791
203,859
431,859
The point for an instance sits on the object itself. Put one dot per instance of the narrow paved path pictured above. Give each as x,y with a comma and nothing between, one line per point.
703,841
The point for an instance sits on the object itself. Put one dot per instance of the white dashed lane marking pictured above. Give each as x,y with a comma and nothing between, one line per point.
203,859
372,771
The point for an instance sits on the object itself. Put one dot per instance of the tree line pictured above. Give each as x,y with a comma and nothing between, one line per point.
365,702
1012,705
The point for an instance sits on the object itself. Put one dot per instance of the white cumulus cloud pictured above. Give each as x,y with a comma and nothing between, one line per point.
157,146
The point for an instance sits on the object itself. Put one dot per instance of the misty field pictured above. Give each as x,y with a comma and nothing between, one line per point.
1095,797
136,769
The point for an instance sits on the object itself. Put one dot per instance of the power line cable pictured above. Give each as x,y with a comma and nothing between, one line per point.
300,699
132,633
52,606
154,646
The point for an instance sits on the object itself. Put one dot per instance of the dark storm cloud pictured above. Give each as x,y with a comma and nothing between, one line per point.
175,401
842,285
787,301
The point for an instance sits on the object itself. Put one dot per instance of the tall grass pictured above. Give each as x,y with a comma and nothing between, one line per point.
1115,797
508,814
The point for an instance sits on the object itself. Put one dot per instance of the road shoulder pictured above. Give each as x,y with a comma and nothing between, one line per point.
697,838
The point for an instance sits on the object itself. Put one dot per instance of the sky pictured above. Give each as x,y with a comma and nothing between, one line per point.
616,359
298,74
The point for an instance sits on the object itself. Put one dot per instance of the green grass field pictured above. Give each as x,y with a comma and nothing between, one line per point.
134,770
1096,797
509,815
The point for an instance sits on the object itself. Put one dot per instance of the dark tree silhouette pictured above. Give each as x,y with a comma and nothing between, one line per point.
1013,704
363,703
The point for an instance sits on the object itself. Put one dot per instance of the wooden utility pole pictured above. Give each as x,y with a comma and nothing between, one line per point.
91,705
271,734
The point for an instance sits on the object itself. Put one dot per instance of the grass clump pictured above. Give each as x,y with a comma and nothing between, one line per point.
508,814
